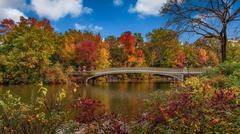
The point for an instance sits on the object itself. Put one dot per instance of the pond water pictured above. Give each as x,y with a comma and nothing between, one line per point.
123,98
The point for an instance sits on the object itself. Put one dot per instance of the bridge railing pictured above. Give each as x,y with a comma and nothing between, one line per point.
149,69
189,70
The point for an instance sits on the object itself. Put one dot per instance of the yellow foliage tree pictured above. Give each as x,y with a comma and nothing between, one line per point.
68,52
103,60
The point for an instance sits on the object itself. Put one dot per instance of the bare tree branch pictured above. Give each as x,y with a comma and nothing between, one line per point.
208,18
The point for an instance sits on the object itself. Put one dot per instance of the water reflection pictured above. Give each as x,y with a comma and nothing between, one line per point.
123,98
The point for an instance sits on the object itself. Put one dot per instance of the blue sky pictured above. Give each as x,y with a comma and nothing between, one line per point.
109,17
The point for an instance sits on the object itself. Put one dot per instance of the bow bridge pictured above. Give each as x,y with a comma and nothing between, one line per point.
175,73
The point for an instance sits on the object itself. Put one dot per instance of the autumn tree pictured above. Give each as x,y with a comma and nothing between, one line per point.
76,37
181,59
140,57
213,58
207,18
112,41
203,56
133,54
68,54
27,48
234,51
150,54
77,46
191,53
116,51
211,44
103,56
166,46
118,57
86,54
139,39
128,42
7,25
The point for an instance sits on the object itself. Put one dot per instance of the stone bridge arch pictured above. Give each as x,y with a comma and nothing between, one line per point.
176,73
178,77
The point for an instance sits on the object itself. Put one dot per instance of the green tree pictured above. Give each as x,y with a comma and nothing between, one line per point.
116,51
191,56
117,56
166,44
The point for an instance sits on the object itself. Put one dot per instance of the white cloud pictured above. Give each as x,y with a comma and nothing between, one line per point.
56,9
11,9
118,2
93,28
12,3
147,7
10,13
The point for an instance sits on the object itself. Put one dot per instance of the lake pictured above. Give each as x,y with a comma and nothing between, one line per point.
123,98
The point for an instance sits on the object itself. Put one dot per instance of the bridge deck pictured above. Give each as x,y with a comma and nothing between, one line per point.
147,69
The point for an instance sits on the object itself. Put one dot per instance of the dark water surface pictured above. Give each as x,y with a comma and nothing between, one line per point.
122,98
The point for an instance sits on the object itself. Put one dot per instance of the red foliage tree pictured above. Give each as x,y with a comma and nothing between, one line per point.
7,25
129,42
43,24
86,54
135,57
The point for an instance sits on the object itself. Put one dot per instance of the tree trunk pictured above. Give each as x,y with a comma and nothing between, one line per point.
224,49
224,41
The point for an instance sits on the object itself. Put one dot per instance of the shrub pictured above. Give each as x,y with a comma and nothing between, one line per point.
234,79
88,110
224,75
218,81
227,68
92,118
196,108
213,72
39,118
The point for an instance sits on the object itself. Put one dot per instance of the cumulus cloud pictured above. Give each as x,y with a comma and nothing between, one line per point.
12,3
11,9
10,13
147,7
118,2
56,9
93,28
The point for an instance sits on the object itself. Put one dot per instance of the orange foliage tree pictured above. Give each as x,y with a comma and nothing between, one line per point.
181,59
134,56
203,56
